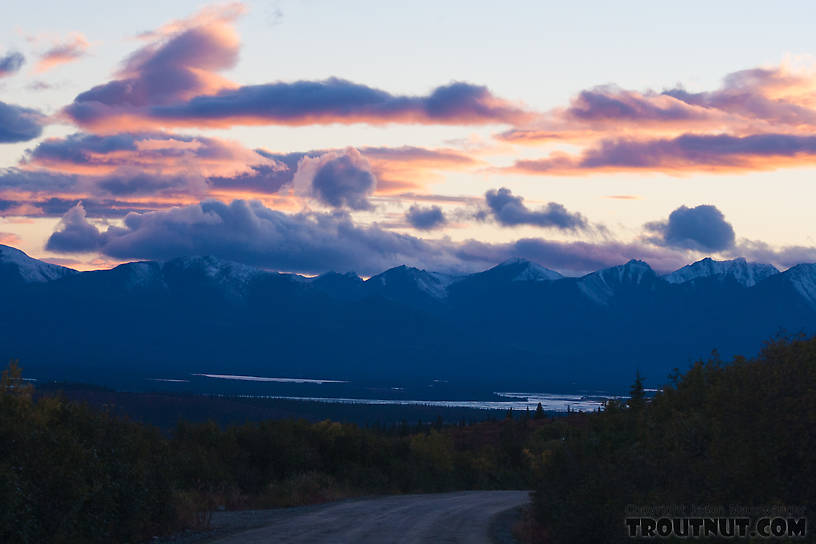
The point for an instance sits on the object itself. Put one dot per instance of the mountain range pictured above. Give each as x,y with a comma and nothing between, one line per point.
517,325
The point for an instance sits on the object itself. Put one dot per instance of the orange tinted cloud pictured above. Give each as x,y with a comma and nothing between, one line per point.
72,48
755,101
9,238
174,81
683,154
410,168
151,153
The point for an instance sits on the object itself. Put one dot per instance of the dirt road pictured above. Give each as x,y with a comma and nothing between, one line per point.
462,517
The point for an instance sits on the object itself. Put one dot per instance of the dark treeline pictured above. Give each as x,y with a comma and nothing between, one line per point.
73,473
721,434
165,410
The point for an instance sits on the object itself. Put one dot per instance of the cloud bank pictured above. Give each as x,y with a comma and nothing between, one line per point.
310,242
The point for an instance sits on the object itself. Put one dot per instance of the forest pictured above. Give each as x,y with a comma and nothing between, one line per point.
720,433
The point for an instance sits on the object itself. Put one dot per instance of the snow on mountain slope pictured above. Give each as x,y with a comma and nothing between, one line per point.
602,285
404,277
524,270
28,270
745,273
803,279
216,270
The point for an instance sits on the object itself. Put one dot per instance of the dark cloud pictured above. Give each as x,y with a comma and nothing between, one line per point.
509,210
688,152
19,124
75,234
338,179
267,179
171,69
167,73
110,168
261,178
755,94
612,103
299,103
82,149
37,181
250,233
10,63
122,183
339,101
135,183
174,81
144,164
425,218
702,228
95,207
149,151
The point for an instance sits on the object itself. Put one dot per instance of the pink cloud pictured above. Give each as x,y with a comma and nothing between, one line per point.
174,81
72,48
9,238
684,154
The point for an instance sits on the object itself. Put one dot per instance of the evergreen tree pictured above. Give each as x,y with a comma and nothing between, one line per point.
637,394
539,412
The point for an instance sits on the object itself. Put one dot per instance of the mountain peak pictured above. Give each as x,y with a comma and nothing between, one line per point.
214,268
633,271
15,264
743,272
601,286
405,277
518,269
803,279
637,263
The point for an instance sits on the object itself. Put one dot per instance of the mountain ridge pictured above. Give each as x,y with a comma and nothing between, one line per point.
744,272
508,326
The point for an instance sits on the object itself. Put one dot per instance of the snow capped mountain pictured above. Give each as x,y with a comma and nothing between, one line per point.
745,273
803,279
16,265
214,269
602,285
523,270
235,281
402,278
140,275
192,312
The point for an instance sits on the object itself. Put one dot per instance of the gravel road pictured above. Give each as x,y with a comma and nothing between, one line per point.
444,518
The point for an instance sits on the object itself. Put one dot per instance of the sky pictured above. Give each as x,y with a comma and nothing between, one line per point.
308,136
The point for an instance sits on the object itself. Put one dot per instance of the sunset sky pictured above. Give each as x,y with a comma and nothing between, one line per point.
307,136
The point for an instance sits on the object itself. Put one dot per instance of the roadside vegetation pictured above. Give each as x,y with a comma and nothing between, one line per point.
72,473
722,433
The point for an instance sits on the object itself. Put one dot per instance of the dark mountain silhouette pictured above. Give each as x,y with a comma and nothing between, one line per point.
517,325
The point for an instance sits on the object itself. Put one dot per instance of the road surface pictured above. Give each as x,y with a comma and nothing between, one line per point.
444,518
